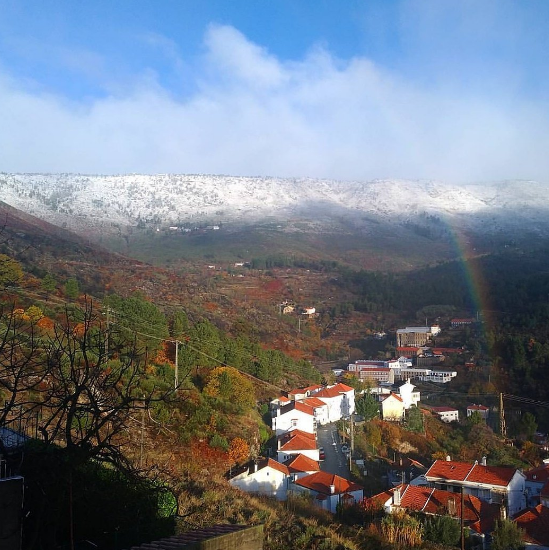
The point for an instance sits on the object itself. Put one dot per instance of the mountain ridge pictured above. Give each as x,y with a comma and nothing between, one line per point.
111,204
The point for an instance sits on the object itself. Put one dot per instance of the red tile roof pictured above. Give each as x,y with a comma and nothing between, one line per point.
383,398
343,387
270,463
302,463
478,514
299,443
261,463
535,522
333,391
288,435
491,475
321,482
475,473
314,402
297,406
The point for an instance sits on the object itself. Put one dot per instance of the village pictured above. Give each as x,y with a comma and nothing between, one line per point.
314,452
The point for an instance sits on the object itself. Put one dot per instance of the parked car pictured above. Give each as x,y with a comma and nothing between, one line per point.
321,453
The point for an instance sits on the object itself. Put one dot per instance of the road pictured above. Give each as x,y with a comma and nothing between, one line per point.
335,462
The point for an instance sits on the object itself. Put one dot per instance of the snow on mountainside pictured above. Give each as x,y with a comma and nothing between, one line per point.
87,202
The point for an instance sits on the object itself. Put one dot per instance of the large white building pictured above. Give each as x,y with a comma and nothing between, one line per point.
416,336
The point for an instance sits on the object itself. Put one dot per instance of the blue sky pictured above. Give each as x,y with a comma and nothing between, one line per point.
344,89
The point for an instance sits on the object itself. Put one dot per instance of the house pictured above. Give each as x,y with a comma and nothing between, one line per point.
501,485
297,442
340,400
301,466
320,409
535,523
481,409
263,477
536,478
478,515
301,393
329,490
446,414
295,415
392,407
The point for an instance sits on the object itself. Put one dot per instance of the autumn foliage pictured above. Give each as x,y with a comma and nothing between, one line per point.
229,384
239,450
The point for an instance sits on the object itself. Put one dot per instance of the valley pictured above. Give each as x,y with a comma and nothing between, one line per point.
282,303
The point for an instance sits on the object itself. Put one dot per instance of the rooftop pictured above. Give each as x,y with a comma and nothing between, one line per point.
321,482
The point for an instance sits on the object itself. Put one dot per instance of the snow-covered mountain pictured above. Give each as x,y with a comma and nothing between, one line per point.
88,203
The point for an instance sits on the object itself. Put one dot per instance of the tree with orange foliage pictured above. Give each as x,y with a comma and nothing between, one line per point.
239,450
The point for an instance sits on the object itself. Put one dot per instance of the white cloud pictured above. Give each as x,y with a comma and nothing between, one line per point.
253,114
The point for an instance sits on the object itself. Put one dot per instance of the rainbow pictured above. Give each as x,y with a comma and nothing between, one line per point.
473,276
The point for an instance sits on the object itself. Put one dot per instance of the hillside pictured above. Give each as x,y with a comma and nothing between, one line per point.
225,217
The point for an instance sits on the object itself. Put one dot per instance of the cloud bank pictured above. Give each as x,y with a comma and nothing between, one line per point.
250,113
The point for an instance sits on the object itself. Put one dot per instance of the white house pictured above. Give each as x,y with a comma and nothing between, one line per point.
264,477
501,485
340,400
446,414
329,490
320,409
293,416
297,442
392,407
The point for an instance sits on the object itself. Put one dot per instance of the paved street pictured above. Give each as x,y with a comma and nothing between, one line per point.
336,462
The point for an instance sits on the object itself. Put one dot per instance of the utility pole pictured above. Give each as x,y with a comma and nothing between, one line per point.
176,381
141,445
108,319
352,443
462,521
502,427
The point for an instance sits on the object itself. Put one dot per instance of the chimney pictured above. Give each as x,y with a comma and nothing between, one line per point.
448,459
451,507
483,462
332,489
396,497
255,466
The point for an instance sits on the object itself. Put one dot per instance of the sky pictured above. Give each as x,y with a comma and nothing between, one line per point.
455,91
